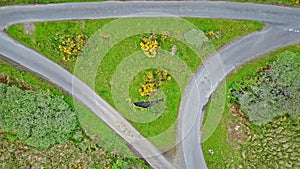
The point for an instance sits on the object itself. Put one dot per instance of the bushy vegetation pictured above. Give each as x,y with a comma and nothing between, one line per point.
152,81
274,90
40,119
71,46
150,45
269,140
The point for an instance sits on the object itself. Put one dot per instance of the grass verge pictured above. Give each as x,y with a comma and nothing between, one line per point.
293,3
25,2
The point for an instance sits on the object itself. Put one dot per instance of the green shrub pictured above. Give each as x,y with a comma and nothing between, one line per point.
272,91
38,118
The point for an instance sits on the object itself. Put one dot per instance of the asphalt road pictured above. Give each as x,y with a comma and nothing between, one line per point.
283,27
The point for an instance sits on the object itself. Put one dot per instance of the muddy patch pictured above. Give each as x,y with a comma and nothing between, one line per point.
238,130
174,156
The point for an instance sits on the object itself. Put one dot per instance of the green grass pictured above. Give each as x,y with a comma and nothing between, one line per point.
44,38
102,85
229,29
273,2
23,2
166,118
227,154
44,41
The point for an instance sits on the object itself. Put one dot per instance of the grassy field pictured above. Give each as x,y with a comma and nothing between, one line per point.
228,29
44,39
235,149
168,116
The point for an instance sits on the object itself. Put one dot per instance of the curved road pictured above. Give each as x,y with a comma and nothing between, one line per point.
282,30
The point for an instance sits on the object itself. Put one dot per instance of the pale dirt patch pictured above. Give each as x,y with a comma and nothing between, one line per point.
29,28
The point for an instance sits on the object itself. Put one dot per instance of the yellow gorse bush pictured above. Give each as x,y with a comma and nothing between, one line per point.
212,34
71,46
150,46
152,81
164,36
78,166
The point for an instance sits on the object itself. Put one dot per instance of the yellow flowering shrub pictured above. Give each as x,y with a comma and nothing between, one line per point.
152,81
150,45
78,166
165,36
71,46
212,34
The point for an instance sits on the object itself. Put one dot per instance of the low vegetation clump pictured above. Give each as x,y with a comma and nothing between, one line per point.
274,144
274,90
36,117
80,152
152,81
165,36
8,80
15,154
213,34
71,46
150,45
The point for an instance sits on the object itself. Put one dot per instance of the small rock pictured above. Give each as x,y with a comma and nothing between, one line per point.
173,50
237,127
29,28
